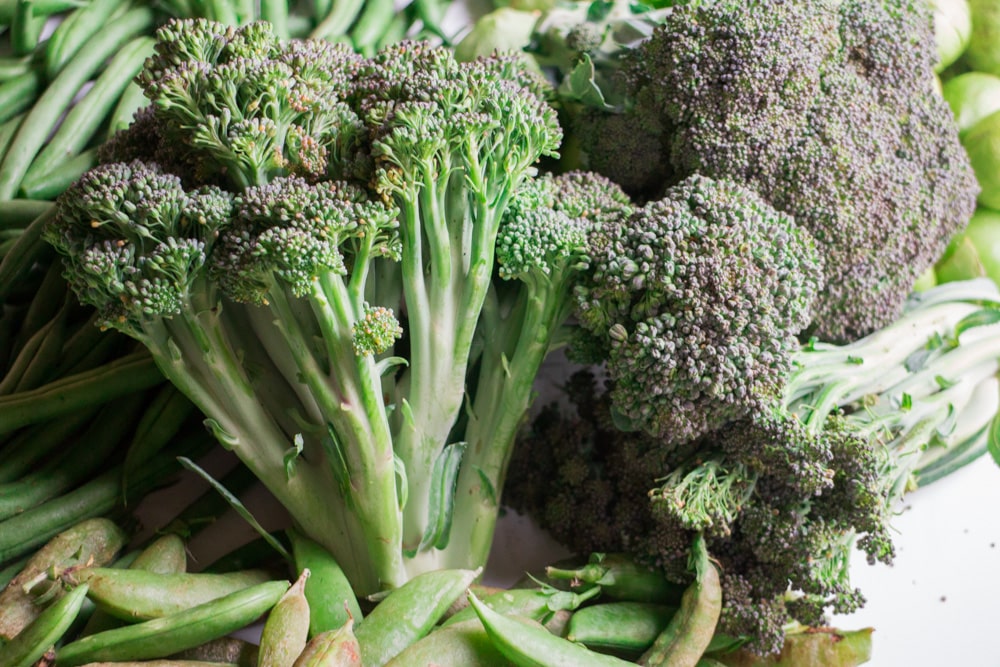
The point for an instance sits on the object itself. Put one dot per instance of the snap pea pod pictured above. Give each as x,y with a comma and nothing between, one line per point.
137,595
463,644
43,633
333,648
331,599
408,613
537,604
621,578
532,646
177,632
685,639
96,540
287,627
624,628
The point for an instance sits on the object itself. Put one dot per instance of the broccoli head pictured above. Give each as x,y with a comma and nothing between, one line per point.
827,109
697,299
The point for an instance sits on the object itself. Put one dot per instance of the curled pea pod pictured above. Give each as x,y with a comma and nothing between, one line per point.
537,604
287,627
684,641
50,625
93,540
138,595
408,613
621,578
331,599
184,630
623,628
527,645
463,644
333,648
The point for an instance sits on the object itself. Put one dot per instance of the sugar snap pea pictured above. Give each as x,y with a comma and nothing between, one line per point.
331,599
538,604
333,648
50,625
137,595
408,613
621,578
463,644
164,636
532,646
287,627
684,641
624,628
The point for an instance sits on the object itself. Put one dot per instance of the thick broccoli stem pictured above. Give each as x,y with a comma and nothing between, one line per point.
514,348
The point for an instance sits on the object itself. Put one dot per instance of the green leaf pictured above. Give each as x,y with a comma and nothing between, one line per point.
292,453
402,485
486,486
993,439
944,382
581,85
857,361
982,317
338,464
905,402
444,479
599,10
237,505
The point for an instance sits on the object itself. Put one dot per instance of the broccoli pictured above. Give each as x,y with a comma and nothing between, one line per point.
340,260
694,303
784,493
828,110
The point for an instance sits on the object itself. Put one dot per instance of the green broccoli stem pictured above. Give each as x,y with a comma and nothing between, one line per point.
514,348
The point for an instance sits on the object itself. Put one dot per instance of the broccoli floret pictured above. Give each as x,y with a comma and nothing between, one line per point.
697,298
828,110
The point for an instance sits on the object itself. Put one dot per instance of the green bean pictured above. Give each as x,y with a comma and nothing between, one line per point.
19,92
76,30
96,540
333,648
396,31
43,345
132,99
49,297
44,116
529,645
137,595
621,578
30,249
105,348
464,644
121,377
35,443
408,613
49,7
49,184
25,28
19,213
50,625
13,66
161,422
11,570
685,639
622,628
258,553
337,19
7,131
85,117
275,12
177,632
287,627
331,599
371,24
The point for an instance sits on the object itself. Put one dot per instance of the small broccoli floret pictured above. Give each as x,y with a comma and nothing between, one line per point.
376,331
698,298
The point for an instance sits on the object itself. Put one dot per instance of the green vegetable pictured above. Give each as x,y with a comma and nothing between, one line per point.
983,52
463,644
331,600
619,627
333,648
972,96
982,142
43,633
287,627
952,30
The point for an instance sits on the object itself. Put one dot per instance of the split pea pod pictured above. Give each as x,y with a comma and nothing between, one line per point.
331,599
533,646
43,633
622,628
333,648
287,627
138,595
683,642
408,613
164,636
96,540
621,578
463,644
537,604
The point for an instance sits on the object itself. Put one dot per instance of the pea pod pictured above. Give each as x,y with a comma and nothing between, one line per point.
331,599
815,646
229,650
684,641
137,595
96,540
538,604
333,648
177,632
287,628
165,662
621,578
619,627
408,613
50,625
532,646
463,644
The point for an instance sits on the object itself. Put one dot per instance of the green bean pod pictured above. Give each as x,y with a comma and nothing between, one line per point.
137,595
177,632
287,627
533,646
684,641
43,633
333,648
463,644
78,28
96,540
408,613
19,92
331,599
619,627
48,185
621,578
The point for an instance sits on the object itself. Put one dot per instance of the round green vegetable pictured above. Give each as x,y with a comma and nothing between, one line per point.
984,234
982,143
972,96
983,52
952,30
